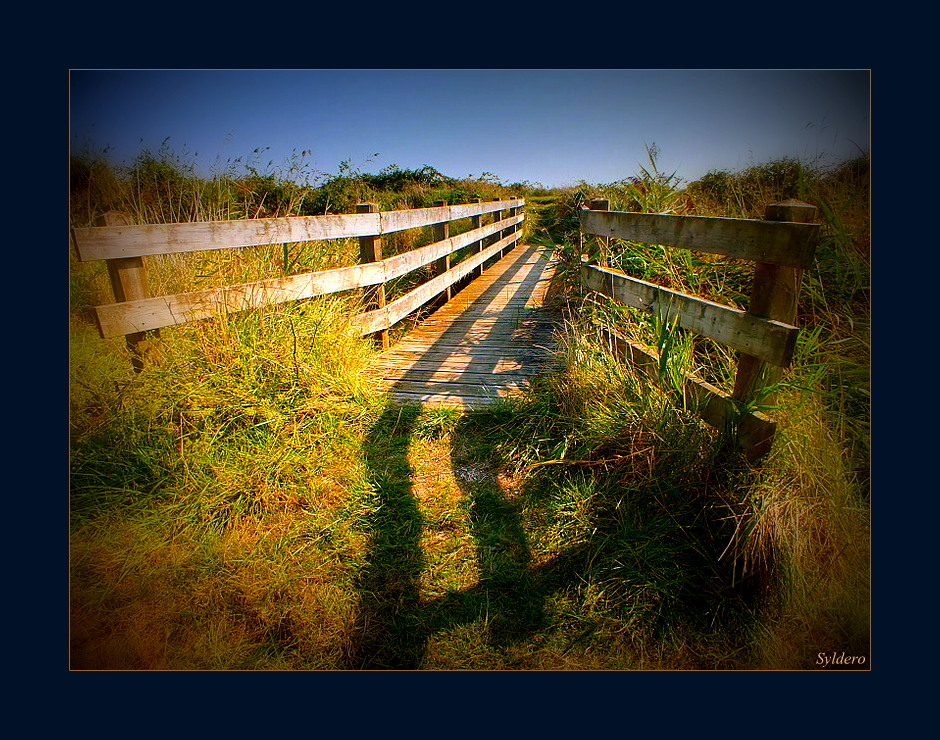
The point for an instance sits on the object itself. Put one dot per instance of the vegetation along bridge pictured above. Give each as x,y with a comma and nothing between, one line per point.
486,328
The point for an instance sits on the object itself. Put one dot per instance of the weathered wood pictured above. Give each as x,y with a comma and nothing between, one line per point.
485,385
476,223
782,245
128,277
370,250
404,263
149,239
497,217
449,361
774,295
513,212
384,318
440,232
461,401
162,311
126,240
753,430
447,369
769,340
393,221
408,261
791,244
485,352
601,250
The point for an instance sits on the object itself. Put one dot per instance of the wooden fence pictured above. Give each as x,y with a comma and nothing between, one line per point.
781,246
135,312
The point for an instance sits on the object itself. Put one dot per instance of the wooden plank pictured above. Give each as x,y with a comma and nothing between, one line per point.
446,400
771,341
395,311
128,283
464,337
370,251
436,375
480,349
109,242
516,317
514,336
162,311
775,294
477,222
472,368
521,353
419,217
153,313
450,361
780,243
492,389
600,249
441,232
470,362
402,264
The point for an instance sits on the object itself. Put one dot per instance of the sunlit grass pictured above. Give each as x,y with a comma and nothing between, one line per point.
249,503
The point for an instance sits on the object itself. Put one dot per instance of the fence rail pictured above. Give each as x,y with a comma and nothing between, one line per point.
135,312
139,240
791,244
781,246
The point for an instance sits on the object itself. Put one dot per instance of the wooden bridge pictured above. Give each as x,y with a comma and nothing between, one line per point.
491,331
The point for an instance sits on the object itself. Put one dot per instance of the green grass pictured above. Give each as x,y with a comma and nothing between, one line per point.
248,502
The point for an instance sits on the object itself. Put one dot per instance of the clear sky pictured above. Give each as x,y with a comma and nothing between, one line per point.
554,127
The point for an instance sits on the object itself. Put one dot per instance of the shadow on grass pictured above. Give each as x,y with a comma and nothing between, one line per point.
506,598
653,549
393,627
386,633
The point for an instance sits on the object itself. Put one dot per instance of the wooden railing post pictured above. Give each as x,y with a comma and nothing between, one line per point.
514,211
129,283
476,223
497,215
774,295
370,250
440,232
600,250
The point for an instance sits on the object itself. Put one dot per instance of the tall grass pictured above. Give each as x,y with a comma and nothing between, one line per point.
802,529
249,502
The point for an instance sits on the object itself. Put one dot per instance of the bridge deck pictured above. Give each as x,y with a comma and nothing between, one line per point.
486,343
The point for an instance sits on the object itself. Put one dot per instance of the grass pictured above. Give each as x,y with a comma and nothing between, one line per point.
367,535
249,503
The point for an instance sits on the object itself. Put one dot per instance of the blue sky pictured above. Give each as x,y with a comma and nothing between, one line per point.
555,127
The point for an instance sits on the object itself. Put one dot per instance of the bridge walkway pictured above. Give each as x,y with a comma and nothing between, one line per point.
487,343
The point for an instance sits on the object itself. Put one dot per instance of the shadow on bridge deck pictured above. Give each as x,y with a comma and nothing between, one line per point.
485,344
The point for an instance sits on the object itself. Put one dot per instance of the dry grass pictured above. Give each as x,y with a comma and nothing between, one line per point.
248,503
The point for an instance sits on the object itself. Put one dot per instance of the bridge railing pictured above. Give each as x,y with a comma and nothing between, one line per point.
124,246
781,247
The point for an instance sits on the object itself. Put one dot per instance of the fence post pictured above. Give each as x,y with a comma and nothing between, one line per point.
514,211
774,295
129,283
440,232
497,215
370,250
602,243
475,223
